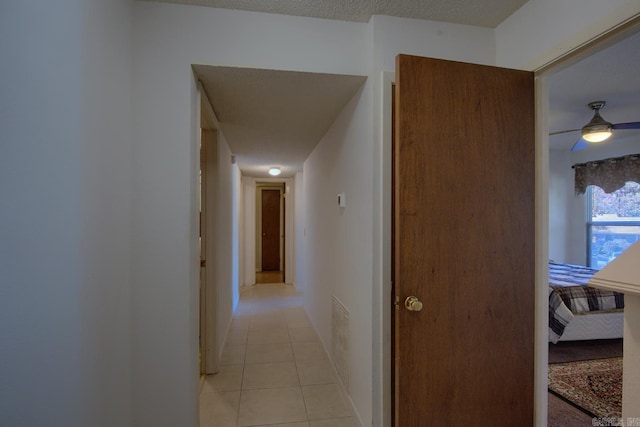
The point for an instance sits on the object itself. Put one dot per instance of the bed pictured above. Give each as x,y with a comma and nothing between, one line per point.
580,312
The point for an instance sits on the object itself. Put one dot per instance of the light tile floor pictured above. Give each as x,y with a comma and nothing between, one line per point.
273,371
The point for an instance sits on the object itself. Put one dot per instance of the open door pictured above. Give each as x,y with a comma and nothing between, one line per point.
464,244
208,290
202,315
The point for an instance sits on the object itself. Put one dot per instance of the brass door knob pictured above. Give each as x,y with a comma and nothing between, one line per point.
413,304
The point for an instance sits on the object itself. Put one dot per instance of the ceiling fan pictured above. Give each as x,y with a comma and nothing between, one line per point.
598,129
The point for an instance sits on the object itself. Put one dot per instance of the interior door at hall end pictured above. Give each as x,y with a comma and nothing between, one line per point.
270,230
464,244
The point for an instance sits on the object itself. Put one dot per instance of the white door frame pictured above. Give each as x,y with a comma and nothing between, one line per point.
249,226
209,351
279,186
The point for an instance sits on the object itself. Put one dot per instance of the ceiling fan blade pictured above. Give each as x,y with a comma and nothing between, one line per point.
563,131
630,125
581,144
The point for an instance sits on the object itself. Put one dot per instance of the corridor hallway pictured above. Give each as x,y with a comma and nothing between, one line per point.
273,370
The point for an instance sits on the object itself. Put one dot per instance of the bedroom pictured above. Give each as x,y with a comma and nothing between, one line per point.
610,75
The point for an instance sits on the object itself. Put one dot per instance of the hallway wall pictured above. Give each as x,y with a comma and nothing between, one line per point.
227,239
338,241
65,205
249,230
299,233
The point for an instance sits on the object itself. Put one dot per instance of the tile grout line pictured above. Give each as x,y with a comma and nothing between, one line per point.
295,361
244,364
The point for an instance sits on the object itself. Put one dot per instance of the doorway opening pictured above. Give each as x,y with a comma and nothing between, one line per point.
208,207
270,232
542,225
566,237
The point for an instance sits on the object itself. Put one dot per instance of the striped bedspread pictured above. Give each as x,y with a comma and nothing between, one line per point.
569,275
570,295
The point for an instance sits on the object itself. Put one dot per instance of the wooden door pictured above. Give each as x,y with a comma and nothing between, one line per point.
208,283
464,244
270,230
203,262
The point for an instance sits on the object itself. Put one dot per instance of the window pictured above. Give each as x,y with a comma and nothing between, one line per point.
613,222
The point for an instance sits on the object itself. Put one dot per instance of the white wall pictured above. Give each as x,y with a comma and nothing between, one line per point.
566,211
236,217
289,226
299,233
227,236
65,175
393,36
338,240
165,241
249,230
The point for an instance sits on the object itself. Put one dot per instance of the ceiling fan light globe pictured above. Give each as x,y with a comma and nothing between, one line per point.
597,135
598,129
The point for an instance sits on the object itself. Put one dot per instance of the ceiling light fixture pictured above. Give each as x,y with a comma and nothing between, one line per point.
274,171
598,129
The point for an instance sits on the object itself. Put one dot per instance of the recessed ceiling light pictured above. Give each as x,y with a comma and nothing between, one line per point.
275,171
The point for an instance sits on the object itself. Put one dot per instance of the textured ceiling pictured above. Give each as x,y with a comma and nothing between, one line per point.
274,118
482,13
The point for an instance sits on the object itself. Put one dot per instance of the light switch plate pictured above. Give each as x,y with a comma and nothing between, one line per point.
342,200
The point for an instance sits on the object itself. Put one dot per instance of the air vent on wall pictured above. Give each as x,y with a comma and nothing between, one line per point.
340,340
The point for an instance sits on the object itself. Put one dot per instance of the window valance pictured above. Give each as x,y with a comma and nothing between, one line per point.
609,174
